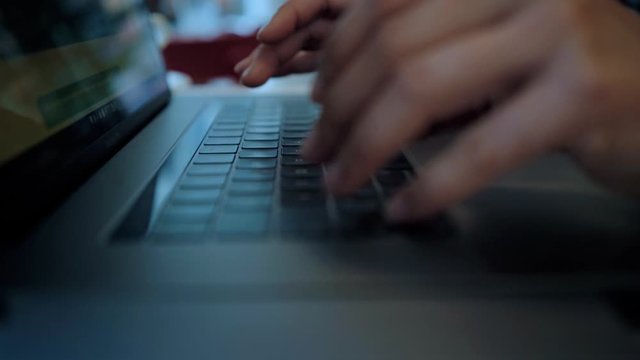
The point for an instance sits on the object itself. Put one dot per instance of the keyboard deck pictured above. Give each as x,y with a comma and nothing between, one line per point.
248,179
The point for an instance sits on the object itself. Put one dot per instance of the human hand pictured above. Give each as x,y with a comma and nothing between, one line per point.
567,74
291,40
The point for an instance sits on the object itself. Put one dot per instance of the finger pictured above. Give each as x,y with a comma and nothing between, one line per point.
352,31
432,86
412,28
295,14
267,59
431,22
533,123
243,65
361,80
303,62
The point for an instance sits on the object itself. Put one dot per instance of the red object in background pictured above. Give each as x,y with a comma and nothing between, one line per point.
204,60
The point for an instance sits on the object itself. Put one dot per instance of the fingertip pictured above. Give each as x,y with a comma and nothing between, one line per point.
335,180
399,210
408,207
248,79
256,74
241,66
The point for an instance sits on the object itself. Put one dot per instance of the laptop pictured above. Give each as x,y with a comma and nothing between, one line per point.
139,225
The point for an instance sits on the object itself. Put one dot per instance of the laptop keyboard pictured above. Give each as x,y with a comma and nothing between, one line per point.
248,179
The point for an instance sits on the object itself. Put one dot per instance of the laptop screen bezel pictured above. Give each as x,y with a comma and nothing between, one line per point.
34,183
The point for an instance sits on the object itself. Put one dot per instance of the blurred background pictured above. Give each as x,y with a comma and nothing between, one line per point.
206,18
202,40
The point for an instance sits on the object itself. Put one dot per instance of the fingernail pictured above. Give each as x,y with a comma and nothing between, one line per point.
399,210
239,67
247,72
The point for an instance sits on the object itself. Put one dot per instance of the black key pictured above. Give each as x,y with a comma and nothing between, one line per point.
366,192
260,145
295,135
251,188
244,223
359,205
302,199
305,121
292,142
359,216
295,151
257,163
214,159
225,133
400,163
254,202
301,114
195,197
208,170
296,161
254,175
305,128
259,154
308,172
234,126
263,130
203,182
302,185
262,137
388,178
354,225
388,192
222,141
305,221
219,149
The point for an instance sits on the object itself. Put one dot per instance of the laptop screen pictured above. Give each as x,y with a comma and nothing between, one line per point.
60,61
72,73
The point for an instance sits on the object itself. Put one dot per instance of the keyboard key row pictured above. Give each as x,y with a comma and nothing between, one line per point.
222,141
219,149
202,159
258,154
247,144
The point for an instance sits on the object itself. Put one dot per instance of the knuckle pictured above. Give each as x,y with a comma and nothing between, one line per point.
570,13
387,46
591,83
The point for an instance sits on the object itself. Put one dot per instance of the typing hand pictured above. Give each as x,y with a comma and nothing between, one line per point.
567,73
291,40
